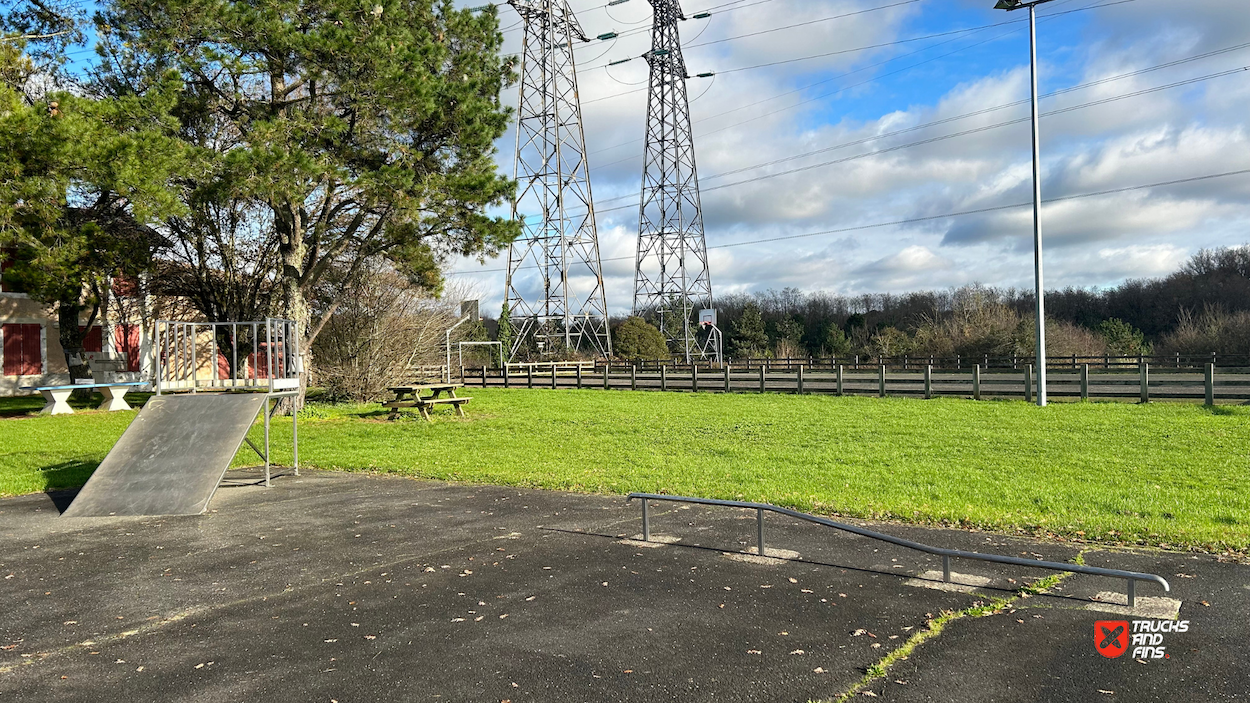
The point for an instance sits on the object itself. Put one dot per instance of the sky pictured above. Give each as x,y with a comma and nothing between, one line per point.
879,141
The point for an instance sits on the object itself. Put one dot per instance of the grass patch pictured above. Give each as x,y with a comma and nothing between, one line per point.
1160,474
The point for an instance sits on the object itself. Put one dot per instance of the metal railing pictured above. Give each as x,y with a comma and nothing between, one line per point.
1132,577
262,355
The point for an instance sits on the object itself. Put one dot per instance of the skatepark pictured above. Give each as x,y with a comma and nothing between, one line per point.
348,587
167,578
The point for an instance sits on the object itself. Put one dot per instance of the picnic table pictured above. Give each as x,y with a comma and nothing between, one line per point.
424,398
56,398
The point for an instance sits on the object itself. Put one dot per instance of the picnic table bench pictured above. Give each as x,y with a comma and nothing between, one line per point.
56,398
424,398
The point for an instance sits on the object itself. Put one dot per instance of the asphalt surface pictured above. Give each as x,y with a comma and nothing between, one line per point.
339,587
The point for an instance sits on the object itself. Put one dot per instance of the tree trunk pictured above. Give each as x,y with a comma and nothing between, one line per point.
293,254
71,338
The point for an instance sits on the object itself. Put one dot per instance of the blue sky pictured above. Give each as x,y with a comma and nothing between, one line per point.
1163,134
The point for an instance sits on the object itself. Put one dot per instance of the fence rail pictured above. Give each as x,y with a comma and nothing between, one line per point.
1145,383
966,362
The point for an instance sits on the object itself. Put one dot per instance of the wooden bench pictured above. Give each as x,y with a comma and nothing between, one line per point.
56,398
411,397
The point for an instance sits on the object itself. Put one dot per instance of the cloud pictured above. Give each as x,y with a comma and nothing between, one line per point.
1095,142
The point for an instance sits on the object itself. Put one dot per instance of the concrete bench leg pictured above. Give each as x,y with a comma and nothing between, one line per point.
56,402
114,398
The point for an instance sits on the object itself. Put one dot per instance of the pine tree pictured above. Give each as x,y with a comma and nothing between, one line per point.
84,178
357,130
504,332
749,339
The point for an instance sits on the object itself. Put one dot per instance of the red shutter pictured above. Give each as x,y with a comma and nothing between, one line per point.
23,354
94,341
129,341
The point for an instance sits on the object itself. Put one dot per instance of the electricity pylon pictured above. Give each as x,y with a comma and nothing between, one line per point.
560,239
671,276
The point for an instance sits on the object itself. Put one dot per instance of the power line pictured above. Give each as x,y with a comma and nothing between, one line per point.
931,218
802,24
922,142
809,86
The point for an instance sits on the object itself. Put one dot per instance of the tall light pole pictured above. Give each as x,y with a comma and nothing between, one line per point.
1037,194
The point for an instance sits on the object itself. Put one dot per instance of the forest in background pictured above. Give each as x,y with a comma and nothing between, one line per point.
1203,307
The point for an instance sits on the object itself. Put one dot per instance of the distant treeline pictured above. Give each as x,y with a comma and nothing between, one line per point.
1203,307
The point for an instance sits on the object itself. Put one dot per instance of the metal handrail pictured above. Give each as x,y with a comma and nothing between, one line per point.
1132,577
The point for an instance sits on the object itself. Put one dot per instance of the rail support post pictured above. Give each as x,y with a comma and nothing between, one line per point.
553,377
946,568
507,377
976,382
633,377
646,522
841,387
663,377
694,378
728,387
529,376
579,377
1210,384
881,380
800,380
1028,383
763,378
607,374
1084,381
759,531
928,382
1144,372
1132,593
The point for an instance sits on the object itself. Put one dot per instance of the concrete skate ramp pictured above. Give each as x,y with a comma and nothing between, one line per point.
171,458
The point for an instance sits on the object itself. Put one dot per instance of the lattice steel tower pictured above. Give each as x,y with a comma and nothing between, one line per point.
671,276
559,249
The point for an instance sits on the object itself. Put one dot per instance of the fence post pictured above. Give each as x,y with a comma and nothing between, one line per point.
928,382
663,377
881,370
840,386
529,376
1144,371
633,377
579,377
763,378
1210,384
727,387
1085,382
607,372
507,377
694,378
483,377
553,377
1028,383
976,382
800,380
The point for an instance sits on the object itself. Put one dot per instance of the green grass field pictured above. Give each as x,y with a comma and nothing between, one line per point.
1159,474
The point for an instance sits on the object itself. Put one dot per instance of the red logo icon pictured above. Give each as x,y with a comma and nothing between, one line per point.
1111,637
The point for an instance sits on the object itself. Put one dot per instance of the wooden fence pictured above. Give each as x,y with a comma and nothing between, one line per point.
1146,383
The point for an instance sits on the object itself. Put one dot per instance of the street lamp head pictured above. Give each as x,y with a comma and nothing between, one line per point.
1007,5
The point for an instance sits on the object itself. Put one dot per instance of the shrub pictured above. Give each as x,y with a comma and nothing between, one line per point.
636,340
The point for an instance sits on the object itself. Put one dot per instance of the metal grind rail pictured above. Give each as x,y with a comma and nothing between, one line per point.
1132,577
